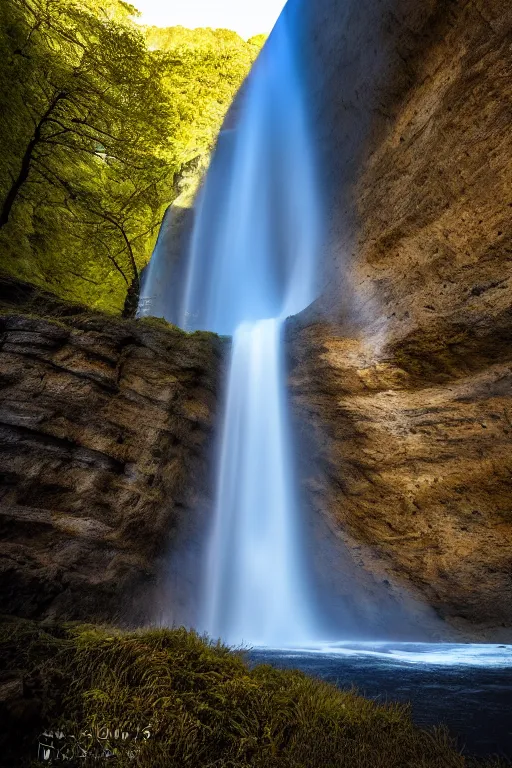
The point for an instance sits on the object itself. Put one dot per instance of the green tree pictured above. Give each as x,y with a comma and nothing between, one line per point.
98,119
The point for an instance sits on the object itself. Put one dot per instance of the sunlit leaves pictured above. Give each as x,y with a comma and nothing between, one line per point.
98,118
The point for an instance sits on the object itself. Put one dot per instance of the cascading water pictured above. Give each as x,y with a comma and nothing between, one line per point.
251,265
256,591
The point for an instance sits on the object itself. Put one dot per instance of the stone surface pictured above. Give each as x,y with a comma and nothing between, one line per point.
401,374
415,472
105,433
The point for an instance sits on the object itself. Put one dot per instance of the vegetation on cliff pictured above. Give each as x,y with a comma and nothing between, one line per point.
180,701
99,120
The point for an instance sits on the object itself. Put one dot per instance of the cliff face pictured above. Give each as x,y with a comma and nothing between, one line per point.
105,431
413,474
401,374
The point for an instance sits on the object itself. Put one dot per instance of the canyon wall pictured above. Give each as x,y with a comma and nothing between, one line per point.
401,373
105,438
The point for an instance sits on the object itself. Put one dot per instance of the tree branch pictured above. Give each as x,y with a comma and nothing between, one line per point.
27,160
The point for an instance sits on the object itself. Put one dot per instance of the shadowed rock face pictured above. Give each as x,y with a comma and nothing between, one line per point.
401,374
105,430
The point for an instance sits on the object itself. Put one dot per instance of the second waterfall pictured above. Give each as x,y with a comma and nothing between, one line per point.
251,265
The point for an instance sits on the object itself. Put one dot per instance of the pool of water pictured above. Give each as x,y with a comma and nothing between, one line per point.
466,687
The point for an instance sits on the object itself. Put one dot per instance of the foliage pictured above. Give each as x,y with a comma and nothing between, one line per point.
208,67
99,119
203,706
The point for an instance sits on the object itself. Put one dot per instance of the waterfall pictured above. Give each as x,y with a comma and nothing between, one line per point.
251,265
256,587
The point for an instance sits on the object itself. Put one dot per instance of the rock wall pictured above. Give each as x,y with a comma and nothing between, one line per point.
401,374
105,432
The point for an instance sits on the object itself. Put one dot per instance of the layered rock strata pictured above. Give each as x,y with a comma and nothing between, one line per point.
105,432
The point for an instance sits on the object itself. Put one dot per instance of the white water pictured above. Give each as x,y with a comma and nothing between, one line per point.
251,265
255,590
423,654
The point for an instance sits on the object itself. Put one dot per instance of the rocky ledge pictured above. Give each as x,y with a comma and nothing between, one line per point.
105,432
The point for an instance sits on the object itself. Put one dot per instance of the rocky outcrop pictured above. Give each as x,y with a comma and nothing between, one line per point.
401,374
414,472
105,431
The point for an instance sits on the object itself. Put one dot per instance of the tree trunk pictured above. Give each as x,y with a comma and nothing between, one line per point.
132,299
26,162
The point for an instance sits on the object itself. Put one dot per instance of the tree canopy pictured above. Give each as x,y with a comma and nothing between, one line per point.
99,119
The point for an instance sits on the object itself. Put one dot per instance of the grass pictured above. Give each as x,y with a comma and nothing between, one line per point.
202,705
33,303
162,324
158,322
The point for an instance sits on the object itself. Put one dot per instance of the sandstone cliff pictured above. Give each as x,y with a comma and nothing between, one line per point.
401,374
105,432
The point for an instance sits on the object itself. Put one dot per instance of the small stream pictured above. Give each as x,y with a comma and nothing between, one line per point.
465,687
